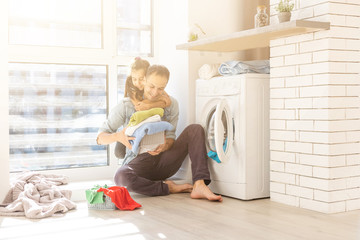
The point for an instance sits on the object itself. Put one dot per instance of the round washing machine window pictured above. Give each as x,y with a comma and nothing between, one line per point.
219,132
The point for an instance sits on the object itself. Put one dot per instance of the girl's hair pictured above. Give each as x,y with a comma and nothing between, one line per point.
130,89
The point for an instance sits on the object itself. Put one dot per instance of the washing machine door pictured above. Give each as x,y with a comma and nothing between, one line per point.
219,131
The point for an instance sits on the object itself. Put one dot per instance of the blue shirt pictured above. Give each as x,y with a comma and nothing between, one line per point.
120,116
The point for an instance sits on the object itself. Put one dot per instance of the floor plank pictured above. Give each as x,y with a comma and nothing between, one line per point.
178,216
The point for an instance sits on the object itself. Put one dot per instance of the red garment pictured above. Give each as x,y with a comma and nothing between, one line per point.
120,197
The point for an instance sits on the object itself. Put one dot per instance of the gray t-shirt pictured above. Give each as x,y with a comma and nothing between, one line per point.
120,116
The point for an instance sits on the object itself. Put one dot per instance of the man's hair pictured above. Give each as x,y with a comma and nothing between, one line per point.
158,70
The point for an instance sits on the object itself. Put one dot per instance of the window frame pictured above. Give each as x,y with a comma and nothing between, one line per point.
107,56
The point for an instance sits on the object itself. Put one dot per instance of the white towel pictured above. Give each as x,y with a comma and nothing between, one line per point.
208,71
130,130
151,142
36,195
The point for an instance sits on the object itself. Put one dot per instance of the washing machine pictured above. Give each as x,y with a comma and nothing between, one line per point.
234,111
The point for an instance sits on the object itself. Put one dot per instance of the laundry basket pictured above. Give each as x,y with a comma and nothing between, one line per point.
92,193
106,205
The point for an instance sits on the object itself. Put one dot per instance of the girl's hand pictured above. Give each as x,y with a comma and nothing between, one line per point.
121,137
141,106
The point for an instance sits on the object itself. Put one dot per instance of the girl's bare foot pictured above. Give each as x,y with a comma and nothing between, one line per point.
200,190
179,188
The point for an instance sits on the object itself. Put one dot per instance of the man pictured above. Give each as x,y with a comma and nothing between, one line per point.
147,173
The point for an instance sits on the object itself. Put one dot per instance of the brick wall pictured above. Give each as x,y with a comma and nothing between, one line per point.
315,110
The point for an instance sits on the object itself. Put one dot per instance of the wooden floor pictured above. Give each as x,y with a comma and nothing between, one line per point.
179,217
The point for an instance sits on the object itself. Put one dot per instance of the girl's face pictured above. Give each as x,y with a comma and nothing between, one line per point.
138,78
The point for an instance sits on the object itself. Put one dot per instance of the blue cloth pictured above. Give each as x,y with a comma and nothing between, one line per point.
148,129
214,156
238,67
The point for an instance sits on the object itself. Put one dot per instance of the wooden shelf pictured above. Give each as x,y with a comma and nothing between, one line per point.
253,38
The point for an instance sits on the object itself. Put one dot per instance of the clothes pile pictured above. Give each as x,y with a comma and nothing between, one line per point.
36,195
148,130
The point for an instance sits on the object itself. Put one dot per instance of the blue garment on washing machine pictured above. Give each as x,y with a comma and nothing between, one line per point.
214,156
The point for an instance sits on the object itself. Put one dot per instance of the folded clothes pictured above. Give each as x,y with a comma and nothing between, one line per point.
238,67
140,116
148,128
151,142
130,130
208,71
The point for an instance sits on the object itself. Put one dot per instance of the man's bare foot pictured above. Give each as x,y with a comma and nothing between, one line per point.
179,188
200,190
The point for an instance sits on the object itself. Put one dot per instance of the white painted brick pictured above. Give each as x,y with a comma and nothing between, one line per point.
323,184
323,137
283,198
282,50
282,156
284,92
277,82
322,161
337,125
353,91
298,103
299,38
344,9
298,147
353,205
304,13
283,71
277,145
277,166
352,44
277,61
323,67
353,182
277,42
352,21
321,9
298,59
338,44
282,177
336,79
336,149
322,114
337,172
322,206
310,3
298,81
353,113
277,187
336,102
343,32
282,135
335,55
277,124
298,169
299,191
353,159
277,103
334,196
337,20
300,125
282,114
312,46
323,91
352,67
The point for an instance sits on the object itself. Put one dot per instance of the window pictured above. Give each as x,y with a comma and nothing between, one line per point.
64,78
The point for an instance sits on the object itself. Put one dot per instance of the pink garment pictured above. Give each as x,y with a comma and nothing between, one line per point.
120,197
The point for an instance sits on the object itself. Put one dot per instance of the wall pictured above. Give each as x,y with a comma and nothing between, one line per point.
4,99
217,18
171,18
315,116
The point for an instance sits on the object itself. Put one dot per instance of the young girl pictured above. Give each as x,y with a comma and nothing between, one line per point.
134,87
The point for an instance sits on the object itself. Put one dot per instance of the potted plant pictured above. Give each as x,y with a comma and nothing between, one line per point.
284,9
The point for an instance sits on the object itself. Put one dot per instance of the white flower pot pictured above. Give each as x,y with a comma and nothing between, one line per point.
284,16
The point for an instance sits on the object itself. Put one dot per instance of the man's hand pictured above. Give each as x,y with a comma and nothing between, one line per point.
163,147
141,106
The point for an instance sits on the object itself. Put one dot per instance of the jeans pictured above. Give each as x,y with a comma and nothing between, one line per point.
145,173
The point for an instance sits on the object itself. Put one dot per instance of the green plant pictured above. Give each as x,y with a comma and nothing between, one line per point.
285,6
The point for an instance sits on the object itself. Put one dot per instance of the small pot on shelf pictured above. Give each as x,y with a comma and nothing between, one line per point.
284,16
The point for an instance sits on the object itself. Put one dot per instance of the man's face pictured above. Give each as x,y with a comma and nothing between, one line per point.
154,86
